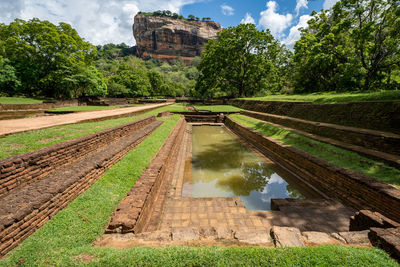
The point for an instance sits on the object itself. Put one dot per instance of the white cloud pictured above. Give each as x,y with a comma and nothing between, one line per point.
277,23
227,10
329,3
247,19
301,4
98,21
294,33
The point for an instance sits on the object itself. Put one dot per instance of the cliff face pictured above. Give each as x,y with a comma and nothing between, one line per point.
165,38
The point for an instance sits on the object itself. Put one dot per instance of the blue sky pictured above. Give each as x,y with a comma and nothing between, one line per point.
110,21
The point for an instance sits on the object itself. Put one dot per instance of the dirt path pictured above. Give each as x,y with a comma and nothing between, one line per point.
27,124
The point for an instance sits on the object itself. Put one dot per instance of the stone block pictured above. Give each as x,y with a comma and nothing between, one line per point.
365,219
253,236
286,236
316,237
185,234
355,237
387,239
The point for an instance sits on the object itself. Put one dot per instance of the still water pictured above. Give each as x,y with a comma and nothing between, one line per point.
224,167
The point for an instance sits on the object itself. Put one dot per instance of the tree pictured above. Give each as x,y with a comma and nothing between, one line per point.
80,80
353,46
376,35
191,17
239,63
39,49
9,83
132,74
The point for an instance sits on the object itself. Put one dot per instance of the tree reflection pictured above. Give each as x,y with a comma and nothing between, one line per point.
293,193
254,177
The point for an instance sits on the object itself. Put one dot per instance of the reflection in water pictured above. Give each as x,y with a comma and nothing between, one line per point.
224,167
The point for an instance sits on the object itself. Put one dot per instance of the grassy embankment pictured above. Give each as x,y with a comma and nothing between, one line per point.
331,98
67,238
19,100
218,108
93,108
334,155
27,141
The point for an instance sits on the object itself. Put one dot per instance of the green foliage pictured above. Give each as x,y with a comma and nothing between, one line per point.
127,75
80,80
241,62
353,46
163,13
333,97
9,82
43,59
19,100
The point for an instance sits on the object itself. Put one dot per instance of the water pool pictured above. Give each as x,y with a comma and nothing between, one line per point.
223,166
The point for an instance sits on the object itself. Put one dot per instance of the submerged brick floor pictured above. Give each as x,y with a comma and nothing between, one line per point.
209,212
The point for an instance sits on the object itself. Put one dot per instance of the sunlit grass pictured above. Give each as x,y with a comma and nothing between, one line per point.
92,108
332,154
218,108
331,98
19,100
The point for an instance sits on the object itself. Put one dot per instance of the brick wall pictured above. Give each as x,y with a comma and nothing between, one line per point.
353,188
387,142
382,116
23,169
11,234
134,211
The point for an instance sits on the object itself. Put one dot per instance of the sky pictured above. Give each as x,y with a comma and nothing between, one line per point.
110,21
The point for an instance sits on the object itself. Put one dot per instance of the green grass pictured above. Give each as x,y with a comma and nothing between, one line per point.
73,230
91,108
27,141
19,100
334,155
331,98
218,108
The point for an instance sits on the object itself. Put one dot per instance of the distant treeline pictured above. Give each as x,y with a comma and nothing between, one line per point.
167,13
354,46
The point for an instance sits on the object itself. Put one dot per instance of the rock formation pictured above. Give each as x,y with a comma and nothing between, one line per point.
166,38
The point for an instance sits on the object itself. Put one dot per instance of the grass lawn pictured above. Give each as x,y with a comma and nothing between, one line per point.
331,98
27,141
19,100
92,108
72,231
218,108
334,155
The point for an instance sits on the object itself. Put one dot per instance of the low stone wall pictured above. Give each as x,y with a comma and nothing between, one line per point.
23,169
134,211
45,105
382,116
381,141
353,188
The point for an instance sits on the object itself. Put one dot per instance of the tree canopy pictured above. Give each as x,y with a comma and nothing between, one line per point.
44,56
243,61
353,46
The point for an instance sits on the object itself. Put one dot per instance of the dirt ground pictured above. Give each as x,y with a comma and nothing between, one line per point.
27,124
